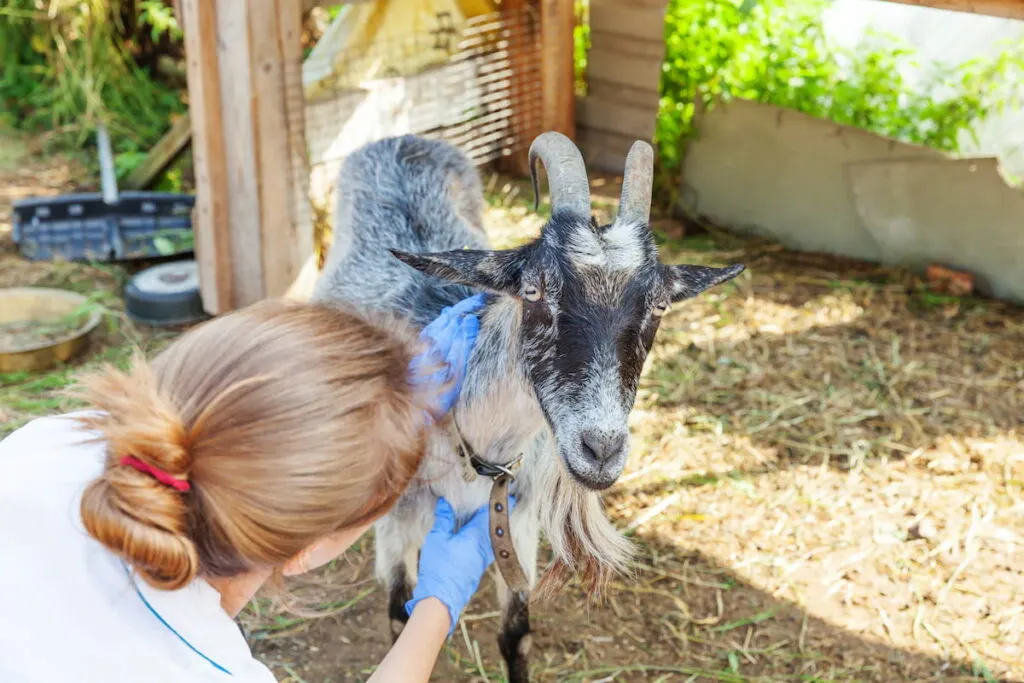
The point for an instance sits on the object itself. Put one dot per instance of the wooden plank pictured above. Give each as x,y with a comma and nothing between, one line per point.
636,72
237,102
616,117
273,147
558,20
212,246
162,154
612,16
616,92
1007,9
646,48
301,208
604,151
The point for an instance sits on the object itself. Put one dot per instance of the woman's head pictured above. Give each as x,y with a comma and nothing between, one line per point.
289,421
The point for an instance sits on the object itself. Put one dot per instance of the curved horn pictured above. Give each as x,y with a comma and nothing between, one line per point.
567,174
637,180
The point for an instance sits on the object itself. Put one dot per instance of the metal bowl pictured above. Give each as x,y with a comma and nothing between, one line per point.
37,303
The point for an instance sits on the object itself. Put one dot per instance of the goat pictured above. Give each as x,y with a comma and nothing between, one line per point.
569,320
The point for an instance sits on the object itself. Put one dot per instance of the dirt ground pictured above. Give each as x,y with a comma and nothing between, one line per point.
827,484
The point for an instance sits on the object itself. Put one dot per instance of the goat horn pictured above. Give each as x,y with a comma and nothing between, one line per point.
637,180
567,174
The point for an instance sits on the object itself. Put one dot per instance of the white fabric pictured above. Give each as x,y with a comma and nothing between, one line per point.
68,609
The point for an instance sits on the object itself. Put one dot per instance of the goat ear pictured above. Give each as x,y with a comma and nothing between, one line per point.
497,271
686,281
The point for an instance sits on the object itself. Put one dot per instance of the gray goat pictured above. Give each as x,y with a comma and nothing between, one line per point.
568,323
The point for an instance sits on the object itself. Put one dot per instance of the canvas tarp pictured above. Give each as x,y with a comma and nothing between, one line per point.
386,39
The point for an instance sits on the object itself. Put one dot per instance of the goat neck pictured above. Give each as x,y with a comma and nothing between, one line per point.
497,412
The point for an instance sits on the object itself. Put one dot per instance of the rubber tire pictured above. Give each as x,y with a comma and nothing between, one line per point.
166,295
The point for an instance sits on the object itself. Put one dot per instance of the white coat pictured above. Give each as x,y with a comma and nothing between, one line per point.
69,610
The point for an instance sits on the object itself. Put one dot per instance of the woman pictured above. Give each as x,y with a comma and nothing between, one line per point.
259,444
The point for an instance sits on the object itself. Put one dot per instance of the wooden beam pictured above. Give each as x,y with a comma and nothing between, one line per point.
558,21
162,154
238,104
1006,9
198,19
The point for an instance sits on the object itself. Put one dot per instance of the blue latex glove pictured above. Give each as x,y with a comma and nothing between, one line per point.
452,563
449,339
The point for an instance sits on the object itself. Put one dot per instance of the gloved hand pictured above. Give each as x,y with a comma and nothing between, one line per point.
449,339
452,563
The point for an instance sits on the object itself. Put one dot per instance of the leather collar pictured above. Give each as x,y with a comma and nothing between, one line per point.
498,512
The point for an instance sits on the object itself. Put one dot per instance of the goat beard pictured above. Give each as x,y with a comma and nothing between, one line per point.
585,544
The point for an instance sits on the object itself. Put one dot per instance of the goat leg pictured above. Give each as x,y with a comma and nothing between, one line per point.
396,560
514,638
399,593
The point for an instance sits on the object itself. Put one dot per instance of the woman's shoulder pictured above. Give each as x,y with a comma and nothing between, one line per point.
43,432
47,454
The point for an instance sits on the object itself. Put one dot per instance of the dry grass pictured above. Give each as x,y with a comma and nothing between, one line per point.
827,485
849,444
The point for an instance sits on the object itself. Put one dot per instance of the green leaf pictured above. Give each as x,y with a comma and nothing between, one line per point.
164,246
775,51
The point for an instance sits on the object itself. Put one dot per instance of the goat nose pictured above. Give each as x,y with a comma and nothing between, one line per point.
600,445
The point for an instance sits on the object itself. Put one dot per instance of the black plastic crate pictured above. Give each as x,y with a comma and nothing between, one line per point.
83,227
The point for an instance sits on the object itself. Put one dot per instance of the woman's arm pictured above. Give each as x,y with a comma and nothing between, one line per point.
451,563
451,566
412,658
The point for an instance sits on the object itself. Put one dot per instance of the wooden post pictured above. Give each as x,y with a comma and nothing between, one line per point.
253,227
558,22
198,20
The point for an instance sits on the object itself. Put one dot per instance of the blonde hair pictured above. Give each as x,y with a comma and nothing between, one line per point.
289,421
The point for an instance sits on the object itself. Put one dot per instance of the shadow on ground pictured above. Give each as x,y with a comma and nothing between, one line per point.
685,618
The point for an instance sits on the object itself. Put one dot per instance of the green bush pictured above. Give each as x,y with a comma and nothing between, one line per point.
66,67
774,51
581,45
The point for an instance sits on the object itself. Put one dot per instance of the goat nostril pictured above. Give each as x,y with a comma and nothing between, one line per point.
617,443
600,446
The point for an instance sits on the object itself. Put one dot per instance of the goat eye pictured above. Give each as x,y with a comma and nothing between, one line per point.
661,309
531,294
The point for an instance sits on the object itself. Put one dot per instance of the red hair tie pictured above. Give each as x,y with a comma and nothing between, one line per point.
158,474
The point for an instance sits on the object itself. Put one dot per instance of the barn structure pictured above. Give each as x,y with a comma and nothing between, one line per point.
267,136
